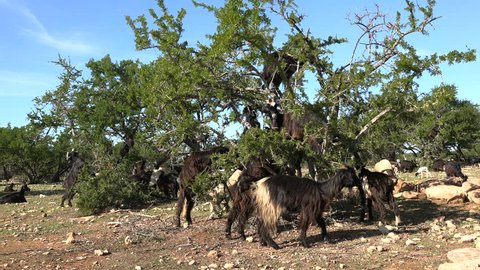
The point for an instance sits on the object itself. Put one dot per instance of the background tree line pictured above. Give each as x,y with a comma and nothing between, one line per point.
193,96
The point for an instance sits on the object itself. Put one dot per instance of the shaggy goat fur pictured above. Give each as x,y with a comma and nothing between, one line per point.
379,191
194,164
275,195
243,206
453,169
438,165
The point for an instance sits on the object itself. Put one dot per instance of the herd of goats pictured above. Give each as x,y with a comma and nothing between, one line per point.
263,189
269,192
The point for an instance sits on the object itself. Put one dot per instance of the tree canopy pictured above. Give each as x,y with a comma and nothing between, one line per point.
193,96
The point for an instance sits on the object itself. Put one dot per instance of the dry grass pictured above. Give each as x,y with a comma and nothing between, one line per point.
32,236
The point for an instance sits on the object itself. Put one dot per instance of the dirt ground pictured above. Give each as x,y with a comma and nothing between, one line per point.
33,235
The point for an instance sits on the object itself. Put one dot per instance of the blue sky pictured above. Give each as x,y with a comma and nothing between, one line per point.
34,33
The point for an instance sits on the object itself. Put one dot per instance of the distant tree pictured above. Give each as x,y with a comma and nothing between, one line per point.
30,154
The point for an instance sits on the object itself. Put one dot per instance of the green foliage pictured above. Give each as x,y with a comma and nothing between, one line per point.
33,156
109,189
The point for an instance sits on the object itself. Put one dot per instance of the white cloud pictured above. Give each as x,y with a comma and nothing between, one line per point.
37,30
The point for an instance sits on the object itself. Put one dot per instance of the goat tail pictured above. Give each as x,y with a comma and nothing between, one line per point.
268,208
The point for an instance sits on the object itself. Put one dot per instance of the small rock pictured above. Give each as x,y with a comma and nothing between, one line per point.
467,238
138,267
363,239
99,252
213,265
249,239
371,249
342,266
128,240
234,252
212,254
410,242
380,248
450,224
70,238
192,262
393,236
387,240
228,265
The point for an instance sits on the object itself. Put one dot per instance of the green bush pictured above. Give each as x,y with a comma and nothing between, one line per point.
111,188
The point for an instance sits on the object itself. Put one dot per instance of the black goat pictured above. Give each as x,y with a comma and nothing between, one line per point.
379,190
243,206
277,194
438,165
69,182
9,188
279,69
406,165
15,197
195,163
453,169
165,181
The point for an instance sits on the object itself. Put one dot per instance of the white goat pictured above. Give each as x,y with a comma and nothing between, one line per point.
423,170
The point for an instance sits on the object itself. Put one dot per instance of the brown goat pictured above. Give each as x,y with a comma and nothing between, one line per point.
294,129
195,163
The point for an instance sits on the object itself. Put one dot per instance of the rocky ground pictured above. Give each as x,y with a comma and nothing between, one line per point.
39,234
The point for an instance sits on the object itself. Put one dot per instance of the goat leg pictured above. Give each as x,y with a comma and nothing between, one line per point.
181,201
394,206
323,226
303,232
370,211
265,238
190,203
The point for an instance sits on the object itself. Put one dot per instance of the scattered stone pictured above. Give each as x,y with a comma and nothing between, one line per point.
192,262
393,236
463,254
249,239
213,266
99,252
474,196
467,238
80,258
444,192
212,254
371,249
234,252
435,228
229,266
387,240
128,240
465,265
363,239
70,238
380,248
410,242
342,266
138,267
